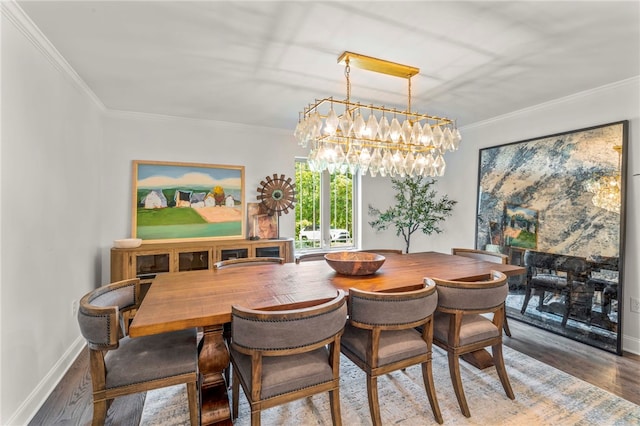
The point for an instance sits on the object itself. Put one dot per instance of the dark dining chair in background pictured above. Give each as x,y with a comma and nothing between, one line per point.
562,275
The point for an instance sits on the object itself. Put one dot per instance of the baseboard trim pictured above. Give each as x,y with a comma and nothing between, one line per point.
631,344
29,408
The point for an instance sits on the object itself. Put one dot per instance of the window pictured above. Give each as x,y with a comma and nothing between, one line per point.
325,209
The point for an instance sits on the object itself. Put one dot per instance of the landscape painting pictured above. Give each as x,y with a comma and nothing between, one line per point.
520,226
185,201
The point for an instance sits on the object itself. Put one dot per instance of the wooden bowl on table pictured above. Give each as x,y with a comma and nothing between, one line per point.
354,263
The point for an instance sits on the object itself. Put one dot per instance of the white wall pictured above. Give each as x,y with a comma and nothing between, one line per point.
128,137
51,208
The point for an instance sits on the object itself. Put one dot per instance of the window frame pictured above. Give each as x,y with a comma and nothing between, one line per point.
326,213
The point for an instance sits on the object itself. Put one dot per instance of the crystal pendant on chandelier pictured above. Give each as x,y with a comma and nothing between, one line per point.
395,131
384,128
371,129
331,123
358,126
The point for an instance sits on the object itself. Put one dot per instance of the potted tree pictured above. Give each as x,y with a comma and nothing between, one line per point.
417,208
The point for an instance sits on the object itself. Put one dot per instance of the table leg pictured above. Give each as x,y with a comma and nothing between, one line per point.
213,359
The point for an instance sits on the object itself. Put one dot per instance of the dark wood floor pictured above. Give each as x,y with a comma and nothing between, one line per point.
70,403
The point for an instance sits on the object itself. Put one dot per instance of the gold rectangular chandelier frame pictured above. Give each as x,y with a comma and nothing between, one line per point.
370,63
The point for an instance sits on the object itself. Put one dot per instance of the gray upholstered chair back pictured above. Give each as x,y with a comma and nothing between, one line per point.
99,314
487,256
247,261
382,251
477,295
392,309
555,262
288,329
605,262
311,256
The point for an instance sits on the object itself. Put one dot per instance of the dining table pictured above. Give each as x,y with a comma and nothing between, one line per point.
203,299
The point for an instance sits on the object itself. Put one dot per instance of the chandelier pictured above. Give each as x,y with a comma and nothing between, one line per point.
606,189
375,139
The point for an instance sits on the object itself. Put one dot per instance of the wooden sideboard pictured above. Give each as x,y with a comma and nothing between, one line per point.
149,260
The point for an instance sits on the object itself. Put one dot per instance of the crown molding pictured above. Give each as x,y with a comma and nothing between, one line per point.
17,16
135,115
530,109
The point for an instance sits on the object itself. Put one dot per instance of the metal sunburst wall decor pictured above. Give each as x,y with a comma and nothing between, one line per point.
277,194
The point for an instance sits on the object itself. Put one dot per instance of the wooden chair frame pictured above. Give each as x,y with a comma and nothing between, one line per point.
247,260
311,256
312,309
488,256
382,251
371,365
103,397
453,346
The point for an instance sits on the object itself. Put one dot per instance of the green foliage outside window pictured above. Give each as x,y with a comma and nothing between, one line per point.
307,208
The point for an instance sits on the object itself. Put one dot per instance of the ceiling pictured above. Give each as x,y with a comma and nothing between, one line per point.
261,62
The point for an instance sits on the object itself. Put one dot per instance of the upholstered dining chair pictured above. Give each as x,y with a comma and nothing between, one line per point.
247,261
460,327
381,337
282,355
311,256
487,256
239,262
121,365
382,251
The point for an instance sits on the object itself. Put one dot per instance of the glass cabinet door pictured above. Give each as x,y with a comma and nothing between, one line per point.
233,253
273,251
148,265
193,260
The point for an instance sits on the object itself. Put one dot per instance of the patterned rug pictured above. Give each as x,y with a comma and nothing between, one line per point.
544,396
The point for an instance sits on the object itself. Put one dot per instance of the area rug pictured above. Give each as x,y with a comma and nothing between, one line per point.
544,396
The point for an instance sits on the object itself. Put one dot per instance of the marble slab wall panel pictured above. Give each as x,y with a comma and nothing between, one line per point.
534,195
548,176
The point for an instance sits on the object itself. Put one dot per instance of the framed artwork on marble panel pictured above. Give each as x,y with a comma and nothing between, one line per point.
187,201
520,226
562,194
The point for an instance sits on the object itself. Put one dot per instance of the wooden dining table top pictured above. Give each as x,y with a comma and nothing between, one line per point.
182,300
